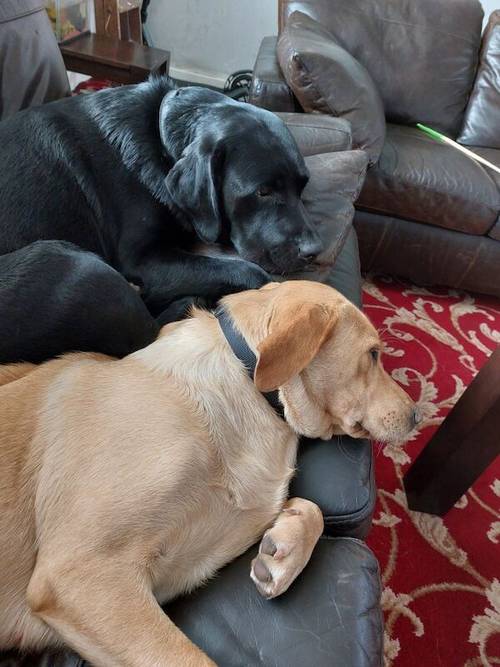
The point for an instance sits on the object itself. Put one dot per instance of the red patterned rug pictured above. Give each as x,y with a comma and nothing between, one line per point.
441,589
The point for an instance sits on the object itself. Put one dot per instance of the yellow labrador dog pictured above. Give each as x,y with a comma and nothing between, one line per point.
124,483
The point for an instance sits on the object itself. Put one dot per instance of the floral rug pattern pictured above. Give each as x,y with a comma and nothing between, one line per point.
441,576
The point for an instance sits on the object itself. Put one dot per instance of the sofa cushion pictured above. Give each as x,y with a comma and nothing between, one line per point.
318,133
327,79
482,117
420,179
335,183
422,55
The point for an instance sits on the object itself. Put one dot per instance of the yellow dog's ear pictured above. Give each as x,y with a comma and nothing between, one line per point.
295,337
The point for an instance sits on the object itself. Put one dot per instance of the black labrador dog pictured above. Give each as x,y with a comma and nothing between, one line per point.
104,190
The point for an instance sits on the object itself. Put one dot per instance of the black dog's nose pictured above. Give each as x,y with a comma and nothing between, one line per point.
415,417
310,249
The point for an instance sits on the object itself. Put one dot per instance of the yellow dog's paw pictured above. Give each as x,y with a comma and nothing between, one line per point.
286,548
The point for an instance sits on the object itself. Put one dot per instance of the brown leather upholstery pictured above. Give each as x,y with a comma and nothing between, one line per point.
316,133
325,78
421,55
269,88
426,212
428,255
482,117
420,179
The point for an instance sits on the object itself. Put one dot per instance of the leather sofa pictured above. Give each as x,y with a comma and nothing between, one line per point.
426,212
331,615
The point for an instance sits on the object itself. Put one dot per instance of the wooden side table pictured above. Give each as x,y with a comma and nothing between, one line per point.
462,448
114,59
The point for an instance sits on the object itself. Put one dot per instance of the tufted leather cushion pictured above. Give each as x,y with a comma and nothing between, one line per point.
421,55
269,89
327,79
482,117
420,179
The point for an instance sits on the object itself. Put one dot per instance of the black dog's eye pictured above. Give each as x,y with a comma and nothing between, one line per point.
374,353
264,191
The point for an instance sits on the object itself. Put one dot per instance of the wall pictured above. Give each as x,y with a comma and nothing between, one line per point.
210,39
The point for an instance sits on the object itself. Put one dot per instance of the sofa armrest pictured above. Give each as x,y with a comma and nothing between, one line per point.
318,133
269,89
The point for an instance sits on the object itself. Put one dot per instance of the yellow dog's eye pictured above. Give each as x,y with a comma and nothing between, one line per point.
374,353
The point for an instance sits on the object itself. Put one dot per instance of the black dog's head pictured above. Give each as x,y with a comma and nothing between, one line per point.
237,176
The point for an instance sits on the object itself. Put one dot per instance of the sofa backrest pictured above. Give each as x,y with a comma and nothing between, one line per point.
422,54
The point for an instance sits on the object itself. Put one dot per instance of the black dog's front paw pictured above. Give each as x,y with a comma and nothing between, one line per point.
247,275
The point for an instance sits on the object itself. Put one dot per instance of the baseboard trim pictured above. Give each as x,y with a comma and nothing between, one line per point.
197,77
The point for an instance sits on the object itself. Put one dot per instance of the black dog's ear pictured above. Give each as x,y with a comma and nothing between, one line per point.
193,185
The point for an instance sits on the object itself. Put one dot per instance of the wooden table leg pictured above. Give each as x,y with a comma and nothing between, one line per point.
463,447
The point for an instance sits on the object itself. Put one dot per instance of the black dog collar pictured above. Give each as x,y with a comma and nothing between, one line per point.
242,352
